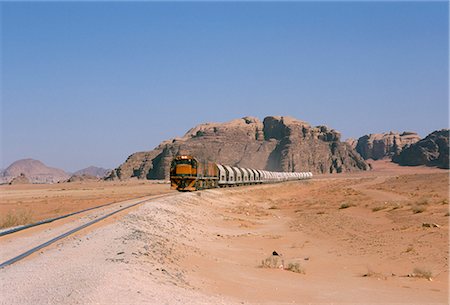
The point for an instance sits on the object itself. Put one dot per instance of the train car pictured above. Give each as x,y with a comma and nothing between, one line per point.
189,174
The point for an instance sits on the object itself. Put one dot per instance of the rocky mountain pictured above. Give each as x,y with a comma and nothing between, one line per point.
276,143
35,171
94,171
433,150
380,145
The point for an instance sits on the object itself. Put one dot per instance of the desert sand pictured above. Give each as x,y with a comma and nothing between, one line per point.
27,203
378,237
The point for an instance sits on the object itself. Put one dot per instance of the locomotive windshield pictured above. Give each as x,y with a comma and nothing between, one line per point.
184,161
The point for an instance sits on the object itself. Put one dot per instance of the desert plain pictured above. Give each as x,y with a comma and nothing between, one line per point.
374,237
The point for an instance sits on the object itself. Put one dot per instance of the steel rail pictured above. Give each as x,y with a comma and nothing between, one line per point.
20,228
53,240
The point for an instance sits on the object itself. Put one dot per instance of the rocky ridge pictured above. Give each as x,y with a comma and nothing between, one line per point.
82,177
378,146
95,171
276,143
433,150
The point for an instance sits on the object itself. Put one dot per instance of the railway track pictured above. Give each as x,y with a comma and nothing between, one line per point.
72,231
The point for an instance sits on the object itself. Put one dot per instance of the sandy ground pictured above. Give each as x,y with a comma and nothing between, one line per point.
379,237
27,203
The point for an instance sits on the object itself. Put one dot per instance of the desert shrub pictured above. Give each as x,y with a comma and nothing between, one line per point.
422,273
345,205
371,273
295,267
409,249
379,208
396,206
272,261
16,218
422,201
418,209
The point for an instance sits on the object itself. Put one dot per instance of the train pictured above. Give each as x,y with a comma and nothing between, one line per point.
188,173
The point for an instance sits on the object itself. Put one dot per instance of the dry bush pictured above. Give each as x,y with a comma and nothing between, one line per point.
418,209
422,201
272,261
409,249
276,262
346,205
396,206
295,267
379,208
422,273
377,275
16,218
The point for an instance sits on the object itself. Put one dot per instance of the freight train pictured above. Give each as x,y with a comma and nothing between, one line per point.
190,174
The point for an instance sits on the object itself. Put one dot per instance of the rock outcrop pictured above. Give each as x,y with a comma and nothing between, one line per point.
83,177
36,171
277,143
352,142
378,146
21,179
433,150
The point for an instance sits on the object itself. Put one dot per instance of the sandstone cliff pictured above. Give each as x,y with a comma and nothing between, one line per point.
277,143
433,150
378,146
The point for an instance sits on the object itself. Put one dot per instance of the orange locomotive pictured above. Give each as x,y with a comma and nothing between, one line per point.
190,174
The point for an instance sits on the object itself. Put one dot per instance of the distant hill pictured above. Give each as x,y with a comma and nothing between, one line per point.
276,143
94,171
35,171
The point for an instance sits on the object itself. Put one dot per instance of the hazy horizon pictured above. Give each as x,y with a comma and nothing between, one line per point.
90,83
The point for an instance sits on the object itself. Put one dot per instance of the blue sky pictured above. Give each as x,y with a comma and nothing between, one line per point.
90,83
